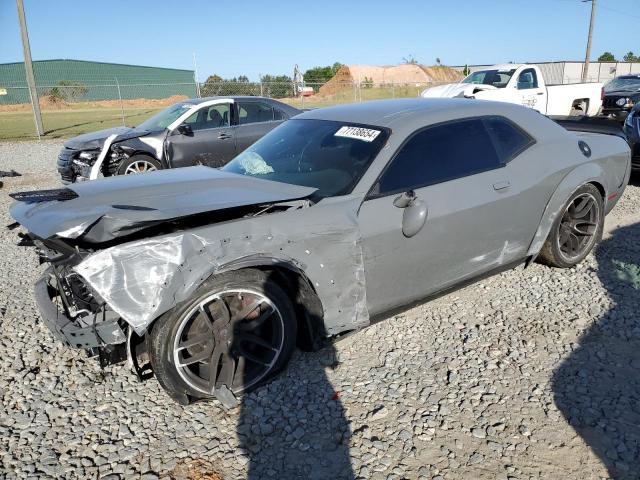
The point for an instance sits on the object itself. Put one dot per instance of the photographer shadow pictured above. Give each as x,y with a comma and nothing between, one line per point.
597,388
295,426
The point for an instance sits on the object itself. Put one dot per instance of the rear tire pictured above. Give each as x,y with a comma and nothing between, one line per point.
576,230
215,338
138,164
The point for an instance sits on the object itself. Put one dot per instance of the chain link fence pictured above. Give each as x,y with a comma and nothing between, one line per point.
72,108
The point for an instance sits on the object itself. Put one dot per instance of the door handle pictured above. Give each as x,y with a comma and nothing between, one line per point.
540,93
224,136
501,185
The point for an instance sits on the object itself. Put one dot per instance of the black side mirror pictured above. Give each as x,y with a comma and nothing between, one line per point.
185,129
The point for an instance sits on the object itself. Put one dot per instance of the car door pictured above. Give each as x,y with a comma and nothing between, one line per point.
209,140
530,93
255,119
462,189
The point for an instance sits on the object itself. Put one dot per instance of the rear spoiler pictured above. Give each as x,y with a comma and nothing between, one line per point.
601,125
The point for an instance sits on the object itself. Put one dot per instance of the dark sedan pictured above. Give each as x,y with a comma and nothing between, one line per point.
632,131
620,95
201,131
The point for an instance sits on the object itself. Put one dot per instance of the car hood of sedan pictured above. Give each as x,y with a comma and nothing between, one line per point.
103,210
95,140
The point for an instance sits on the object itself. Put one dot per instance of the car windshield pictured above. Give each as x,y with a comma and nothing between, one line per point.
166,117
327,155
623,83
497,78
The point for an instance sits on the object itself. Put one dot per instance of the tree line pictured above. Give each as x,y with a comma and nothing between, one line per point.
610,57
275,86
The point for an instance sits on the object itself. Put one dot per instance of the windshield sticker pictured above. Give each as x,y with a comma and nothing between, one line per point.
358,133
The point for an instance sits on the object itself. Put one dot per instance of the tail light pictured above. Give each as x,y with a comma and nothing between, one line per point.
602,94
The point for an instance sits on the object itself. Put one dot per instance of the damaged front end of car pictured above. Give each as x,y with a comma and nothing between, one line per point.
121,253
74,313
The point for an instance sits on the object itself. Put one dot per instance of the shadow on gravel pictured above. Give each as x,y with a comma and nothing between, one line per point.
597,388
295,427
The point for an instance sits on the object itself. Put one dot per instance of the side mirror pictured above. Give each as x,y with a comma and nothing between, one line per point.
185,129
414,215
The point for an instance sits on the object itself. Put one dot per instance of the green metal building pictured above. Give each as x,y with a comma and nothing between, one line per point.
80,80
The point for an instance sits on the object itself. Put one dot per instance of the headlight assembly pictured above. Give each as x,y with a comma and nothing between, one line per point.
89,155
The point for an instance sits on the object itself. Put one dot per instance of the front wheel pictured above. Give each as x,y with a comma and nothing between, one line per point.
237,330
138,164
576,230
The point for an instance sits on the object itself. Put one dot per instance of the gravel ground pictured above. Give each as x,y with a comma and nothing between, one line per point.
529,374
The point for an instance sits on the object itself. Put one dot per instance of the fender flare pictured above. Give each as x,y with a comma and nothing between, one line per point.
579,176
307,302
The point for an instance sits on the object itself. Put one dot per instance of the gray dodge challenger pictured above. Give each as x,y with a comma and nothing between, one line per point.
201,131
329,222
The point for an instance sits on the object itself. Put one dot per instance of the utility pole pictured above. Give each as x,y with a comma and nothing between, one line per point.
585,70
31,82
195,75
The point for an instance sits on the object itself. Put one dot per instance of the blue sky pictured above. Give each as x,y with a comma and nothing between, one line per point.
258,37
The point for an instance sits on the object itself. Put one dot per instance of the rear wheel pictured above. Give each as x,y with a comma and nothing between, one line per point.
138,164
237,331
576,230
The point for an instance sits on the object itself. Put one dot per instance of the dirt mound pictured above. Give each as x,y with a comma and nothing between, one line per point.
48,103
396,74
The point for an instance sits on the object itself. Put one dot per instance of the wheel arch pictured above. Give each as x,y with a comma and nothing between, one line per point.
583,174
297,285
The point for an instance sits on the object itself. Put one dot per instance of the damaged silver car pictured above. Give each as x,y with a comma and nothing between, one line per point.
326,224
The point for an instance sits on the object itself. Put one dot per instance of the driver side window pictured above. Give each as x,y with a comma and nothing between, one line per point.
213,116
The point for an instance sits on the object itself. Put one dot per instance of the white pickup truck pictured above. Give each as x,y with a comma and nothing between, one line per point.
525,85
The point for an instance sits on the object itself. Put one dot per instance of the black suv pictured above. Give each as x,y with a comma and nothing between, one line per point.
620,95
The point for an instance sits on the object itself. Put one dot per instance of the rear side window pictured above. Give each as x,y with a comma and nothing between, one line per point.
440,153
509,139
254,112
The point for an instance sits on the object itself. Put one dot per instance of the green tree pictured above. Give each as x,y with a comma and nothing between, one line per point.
607,57
67,91
630,57
466,70
218,86
320,75
409,60
277,86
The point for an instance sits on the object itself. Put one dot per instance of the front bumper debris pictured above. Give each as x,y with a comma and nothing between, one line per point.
89,331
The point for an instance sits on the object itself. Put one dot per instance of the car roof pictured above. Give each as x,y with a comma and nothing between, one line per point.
405,112
195,101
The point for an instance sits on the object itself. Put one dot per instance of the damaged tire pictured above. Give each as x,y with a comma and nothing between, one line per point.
235,332
576,230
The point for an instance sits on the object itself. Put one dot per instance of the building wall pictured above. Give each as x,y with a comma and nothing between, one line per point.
571,72
97,81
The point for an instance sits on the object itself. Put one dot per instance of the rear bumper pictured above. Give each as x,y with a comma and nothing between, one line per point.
97,330
616,113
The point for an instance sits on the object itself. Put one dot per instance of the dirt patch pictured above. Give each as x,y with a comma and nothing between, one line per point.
49,103
195,470
396,75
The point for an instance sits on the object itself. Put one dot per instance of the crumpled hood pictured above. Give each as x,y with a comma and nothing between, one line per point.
95,140
452,90
117,206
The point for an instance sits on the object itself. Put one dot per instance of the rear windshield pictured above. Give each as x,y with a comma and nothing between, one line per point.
497,78
623,83
327,155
